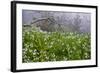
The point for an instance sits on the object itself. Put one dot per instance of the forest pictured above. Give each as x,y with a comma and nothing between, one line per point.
55,36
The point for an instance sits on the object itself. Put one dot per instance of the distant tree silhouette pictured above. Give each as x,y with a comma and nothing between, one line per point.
77,21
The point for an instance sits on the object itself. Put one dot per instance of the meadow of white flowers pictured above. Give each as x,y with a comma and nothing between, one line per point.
42,46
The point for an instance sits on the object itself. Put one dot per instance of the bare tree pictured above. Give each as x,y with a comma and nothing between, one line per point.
77,21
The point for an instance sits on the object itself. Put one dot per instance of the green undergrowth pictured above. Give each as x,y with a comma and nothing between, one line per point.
42,46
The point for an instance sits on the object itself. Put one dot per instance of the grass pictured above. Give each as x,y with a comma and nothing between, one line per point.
39,46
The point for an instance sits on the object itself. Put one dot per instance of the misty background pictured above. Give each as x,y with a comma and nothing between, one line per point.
57,20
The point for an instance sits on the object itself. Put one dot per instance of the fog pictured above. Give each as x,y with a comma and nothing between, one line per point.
71,20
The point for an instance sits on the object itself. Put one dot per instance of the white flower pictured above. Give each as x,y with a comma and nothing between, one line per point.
79,41
34,53
30,50
35,50
71,33
50,46
74,48
40,30
63,50
62,43
65,58
52,43
32,36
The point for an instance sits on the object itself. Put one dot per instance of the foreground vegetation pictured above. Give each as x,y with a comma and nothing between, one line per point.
39,46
